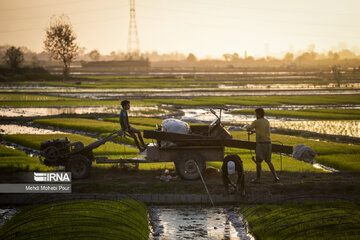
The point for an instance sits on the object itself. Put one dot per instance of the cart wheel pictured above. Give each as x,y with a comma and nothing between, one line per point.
79,166
186,165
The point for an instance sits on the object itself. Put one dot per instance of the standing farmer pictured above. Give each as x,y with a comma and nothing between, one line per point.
263,143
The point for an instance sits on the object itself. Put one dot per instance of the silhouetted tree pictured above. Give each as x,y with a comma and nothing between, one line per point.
94,55
191,58
60,42
13,57
288,57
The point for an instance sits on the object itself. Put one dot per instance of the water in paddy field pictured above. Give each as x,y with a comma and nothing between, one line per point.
6,214
334,127
18,129
50,111
185,222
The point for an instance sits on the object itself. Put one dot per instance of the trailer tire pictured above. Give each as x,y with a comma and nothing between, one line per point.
186,165
79,166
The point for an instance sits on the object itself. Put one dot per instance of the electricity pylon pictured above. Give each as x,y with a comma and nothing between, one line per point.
133,47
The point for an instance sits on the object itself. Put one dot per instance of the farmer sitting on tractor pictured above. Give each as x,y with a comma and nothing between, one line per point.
263,144
125,126
233,174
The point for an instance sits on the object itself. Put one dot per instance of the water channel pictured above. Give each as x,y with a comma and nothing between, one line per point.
185,222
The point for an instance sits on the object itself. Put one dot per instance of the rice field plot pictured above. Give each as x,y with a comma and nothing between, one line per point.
111,150
318,114
150,122
325,150
262,101
12,160
34,141
308,220
341,127
85,219
336,155
36,100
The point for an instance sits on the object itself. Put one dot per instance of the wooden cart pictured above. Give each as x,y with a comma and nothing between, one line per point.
205,143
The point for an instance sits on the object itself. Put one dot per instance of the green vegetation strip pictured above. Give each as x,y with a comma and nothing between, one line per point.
111,150
126,219
15,100
309,220
12,160
34,141
336,155
262,101
35,100
318,114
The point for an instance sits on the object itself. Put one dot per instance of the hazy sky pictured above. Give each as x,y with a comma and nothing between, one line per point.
204,27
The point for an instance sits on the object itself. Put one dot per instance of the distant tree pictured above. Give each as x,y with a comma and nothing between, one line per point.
227,56
333,56
288,57
336,74
94,55
13,57
191,58
60,42
235,57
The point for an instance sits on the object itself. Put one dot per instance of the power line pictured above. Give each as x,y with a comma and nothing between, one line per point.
116,8
41,6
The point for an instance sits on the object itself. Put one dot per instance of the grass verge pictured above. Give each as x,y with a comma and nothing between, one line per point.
126,219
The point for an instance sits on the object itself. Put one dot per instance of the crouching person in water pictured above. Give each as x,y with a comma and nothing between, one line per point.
233,174
263,144
125,126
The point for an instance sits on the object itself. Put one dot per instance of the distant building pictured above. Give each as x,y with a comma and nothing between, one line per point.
117,64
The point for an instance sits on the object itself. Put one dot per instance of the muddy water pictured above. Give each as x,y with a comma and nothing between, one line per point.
196,223
50,111
198,93
6,214
334,127
18,129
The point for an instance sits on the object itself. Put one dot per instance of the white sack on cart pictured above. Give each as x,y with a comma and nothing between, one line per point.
304,153
174,126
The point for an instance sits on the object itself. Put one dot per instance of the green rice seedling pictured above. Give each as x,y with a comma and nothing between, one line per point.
151,122
308,220
34,141
7,151
87,125
83,219
22,164
342,162
28,97
262,101
318,114
337,155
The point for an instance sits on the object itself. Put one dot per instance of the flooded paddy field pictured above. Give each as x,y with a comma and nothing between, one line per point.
334,127
198,93
222,91
52,111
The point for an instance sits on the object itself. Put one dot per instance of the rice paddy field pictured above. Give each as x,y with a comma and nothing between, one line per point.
325,109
